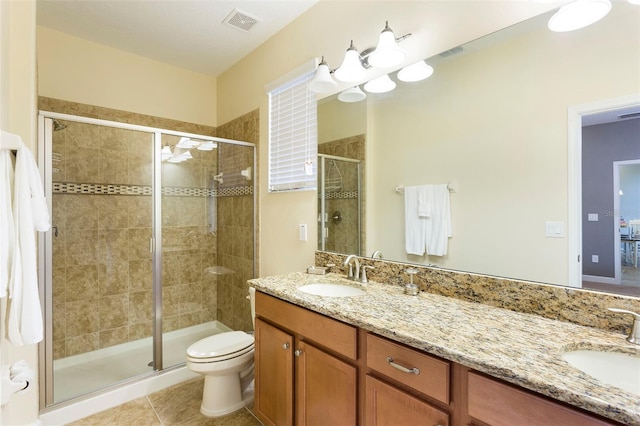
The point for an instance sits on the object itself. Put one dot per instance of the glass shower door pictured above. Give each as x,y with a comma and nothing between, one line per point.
339,205
100,302
207,240
189,239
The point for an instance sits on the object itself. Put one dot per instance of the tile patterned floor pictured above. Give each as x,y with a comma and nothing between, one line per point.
177,405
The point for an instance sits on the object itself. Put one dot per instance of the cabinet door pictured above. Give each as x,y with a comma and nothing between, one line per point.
273,375
387,405
325,388
499,404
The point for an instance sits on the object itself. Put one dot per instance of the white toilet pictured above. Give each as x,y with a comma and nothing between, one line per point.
226,360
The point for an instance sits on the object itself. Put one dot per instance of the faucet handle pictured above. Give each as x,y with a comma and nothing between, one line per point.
350,275
364,279
634,334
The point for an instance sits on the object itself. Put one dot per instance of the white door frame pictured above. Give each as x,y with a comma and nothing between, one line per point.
574,194
616,212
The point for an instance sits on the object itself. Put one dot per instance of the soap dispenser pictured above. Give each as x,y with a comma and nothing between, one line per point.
411,288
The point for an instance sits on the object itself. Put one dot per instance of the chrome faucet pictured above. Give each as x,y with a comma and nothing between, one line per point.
377,254
634,334
364,279
354,273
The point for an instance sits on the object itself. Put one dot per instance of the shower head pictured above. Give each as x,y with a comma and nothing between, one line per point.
57,125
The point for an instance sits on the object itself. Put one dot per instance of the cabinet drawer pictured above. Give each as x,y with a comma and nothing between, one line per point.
497,403
387,357
330,333
386,405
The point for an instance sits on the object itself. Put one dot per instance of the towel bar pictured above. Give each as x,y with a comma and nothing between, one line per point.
399,189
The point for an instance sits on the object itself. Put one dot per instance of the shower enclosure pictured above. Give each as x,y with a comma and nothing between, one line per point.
340,205
152,242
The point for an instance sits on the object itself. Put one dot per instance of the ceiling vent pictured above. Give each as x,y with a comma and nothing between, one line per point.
450,52
629,115
240,20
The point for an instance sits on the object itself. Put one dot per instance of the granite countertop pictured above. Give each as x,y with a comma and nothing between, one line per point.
520,348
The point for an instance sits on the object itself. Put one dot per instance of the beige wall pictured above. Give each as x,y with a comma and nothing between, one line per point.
326,30
505,145
339,120
78,70
18,106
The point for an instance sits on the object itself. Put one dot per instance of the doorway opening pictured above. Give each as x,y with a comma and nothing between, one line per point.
602,136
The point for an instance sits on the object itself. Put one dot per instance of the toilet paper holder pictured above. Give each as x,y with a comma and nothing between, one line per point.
15,379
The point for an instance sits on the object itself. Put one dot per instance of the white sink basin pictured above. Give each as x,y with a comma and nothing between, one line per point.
330,290
614,368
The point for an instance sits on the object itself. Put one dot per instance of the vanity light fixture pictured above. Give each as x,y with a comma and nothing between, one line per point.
322,81
415,72
387,53
184,155
166,153
354,65
578,14
207,146
381,84
187,143
351,69
353,94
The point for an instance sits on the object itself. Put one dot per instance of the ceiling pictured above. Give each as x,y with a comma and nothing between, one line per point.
176,32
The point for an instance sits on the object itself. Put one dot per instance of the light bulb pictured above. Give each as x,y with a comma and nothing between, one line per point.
351,69
387,53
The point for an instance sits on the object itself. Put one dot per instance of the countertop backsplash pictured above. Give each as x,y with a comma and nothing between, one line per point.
584,307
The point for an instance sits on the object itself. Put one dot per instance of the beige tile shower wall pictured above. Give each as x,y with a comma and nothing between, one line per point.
236,228
339,240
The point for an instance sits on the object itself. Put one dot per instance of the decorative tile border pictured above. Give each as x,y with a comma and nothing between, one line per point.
343,195
108,189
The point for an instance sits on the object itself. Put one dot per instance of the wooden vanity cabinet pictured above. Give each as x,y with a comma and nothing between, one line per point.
305,366
493,402
393,366
314,370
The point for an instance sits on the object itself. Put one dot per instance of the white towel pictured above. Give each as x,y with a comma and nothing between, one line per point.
425,200
414,225
438,228
30,212
427,214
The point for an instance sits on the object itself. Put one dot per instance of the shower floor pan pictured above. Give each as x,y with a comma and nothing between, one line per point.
80,374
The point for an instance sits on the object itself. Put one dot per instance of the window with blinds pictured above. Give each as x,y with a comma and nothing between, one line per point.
293,136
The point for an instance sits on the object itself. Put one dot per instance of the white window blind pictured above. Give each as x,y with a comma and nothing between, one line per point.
293,136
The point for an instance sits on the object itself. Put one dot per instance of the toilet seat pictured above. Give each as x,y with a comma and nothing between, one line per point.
220,347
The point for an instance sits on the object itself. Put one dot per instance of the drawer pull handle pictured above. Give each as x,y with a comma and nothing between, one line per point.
402,368
285,346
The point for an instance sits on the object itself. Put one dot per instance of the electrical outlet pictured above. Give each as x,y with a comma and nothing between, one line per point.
595,258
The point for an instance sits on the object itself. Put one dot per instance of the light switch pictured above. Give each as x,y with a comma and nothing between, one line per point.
554,229
595,258
592,217
302,232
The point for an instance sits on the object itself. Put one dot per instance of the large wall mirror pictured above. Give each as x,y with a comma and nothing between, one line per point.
493,121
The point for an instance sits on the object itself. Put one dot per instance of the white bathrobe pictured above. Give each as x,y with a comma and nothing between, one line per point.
30,212
8,142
